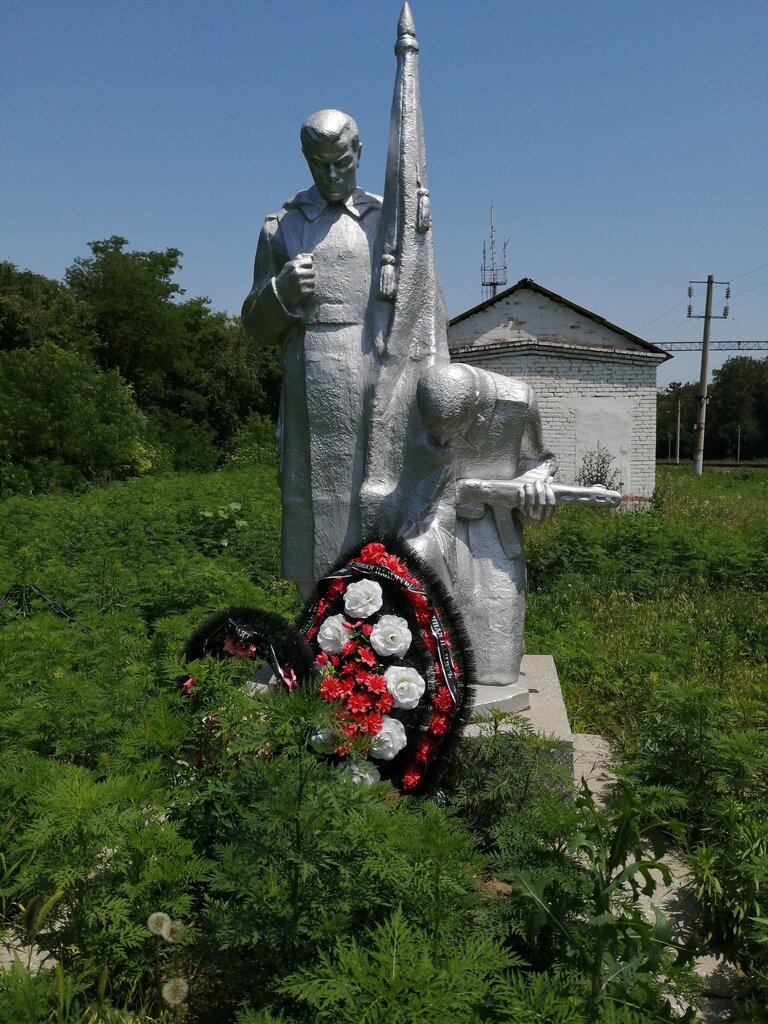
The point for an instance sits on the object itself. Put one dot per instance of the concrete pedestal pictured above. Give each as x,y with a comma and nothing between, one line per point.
536,696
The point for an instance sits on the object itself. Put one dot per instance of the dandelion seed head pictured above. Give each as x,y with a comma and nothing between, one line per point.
174,931
175,991
157,922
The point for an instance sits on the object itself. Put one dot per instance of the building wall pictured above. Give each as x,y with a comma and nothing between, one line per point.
527,314
593,384
586,401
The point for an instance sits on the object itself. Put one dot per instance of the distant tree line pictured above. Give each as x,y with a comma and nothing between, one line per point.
113,373
737,413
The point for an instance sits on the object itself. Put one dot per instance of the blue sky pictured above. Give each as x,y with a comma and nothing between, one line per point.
624,145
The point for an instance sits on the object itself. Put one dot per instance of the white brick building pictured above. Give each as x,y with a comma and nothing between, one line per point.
595,382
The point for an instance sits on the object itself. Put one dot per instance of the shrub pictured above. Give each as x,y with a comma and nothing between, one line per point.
65,423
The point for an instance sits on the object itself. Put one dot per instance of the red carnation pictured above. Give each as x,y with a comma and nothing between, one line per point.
438,724
374,683
289,678
359,702
394,564
366,629
425,749
322,658
429,641
332,689
349,648
443,700
239,649
372,553
423,615
366,655
335,660
351,727
412,778
335,589
386,702
373,723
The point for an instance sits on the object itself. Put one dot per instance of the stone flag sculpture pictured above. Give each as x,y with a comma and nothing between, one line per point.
407,487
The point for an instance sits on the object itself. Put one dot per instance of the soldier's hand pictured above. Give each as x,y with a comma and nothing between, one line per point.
537,499
295,283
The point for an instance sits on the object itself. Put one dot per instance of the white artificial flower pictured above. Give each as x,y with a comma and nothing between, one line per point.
362,599
406,686
357,773
332,635
175,991
391,637
174,931
389,740
157,922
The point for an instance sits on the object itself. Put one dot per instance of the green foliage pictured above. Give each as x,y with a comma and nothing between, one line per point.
35,310
254,442
301,854
65,423
396,977
737,421
190,371
596,468
620,950
123,797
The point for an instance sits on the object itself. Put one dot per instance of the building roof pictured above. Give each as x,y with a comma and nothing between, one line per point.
527,282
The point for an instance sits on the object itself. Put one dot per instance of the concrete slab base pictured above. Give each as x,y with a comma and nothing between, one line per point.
536,696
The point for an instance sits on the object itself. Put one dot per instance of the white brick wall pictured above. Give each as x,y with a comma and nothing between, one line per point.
592,385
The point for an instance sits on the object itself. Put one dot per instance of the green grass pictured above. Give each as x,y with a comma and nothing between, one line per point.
620,600
623,601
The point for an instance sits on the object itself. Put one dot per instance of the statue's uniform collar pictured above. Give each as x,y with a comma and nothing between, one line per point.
313,205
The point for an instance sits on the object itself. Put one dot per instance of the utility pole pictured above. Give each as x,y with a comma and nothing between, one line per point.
701,416
677,444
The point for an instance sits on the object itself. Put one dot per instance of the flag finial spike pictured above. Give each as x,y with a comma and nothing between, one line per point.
406,26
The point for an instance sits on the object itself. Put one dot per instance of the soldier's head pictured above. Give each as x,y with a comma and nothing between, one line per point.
456,403
331,146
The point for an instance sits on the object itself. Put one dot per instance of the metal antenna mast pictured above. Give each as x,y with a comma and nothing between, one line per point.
492,274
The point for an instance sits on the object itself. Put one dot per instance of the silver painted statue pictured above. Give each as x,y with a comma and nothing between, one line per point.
504,481
347,282
311,290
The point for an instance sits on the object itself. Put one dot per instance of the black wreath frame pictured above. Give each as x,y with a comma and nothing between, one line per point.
278,642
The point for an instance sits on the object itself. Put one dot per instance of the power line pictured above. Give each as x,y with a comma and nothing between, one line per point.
671,308
677,304
748,272
752,289
667,330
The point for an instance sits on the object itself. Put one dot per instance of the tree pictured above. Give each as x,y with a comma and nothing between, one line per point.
130,297
35,309
666,419
65,423
738,406
191,369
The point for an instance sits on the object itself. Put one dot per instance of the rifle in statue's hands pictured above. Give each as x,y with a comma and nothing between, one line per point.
534,498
